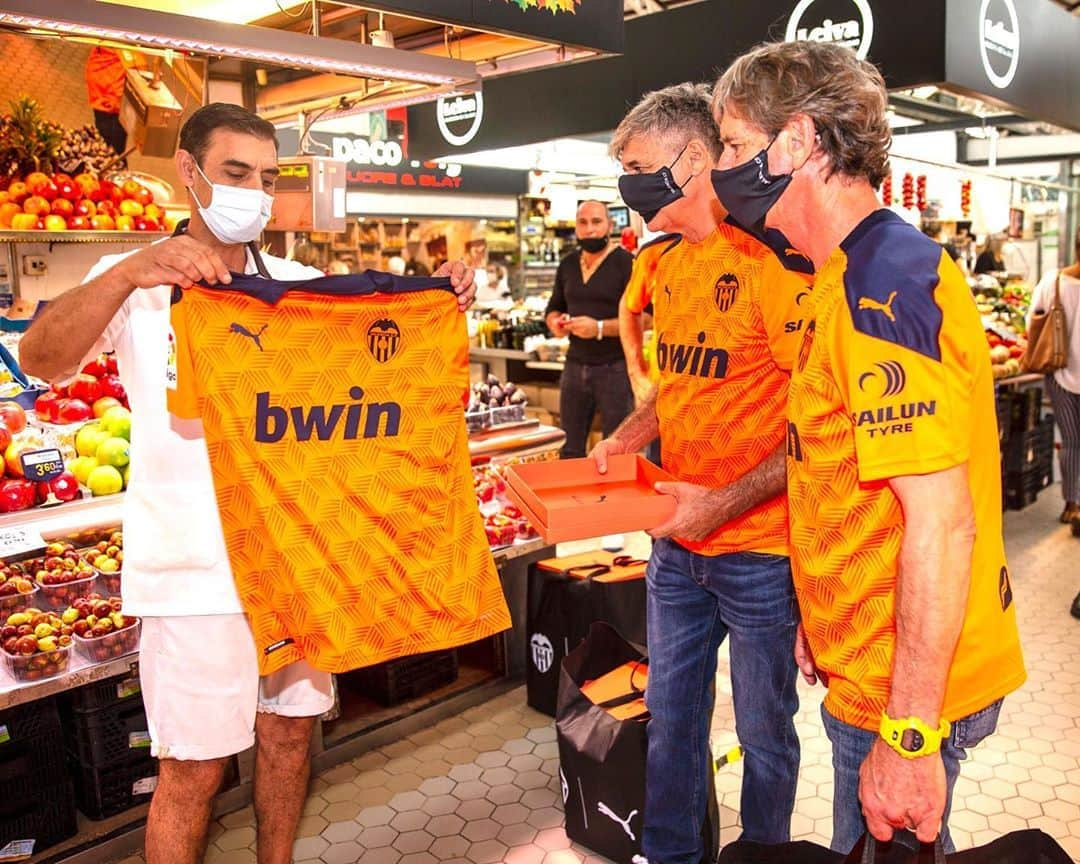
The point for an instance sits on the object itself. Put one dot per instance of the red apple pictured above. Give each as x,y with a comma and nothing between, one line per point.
8,211
110,386
18,192
46,406
110,363
35,205
44,189
101,222
63,207
35,177
106,208
60,177
85,207
41,492
88,183
74,411
150,224
131,188
12,416
96,367
17,495
39,224
5,438
116,194
80,223
56,223
85,387
144,196
69,190
65,486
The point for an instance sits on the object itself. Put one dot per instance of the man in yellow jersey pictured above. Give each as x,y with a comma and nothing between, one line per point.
205,699
893,476
727,322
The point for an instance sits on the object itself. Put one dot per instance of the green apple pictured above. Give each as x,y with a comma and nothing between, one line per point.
115,452
105,480
89,437
81,466
117,422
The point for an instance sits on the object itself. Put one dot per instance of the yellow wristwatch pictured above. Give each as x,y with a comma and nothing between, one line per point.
910,737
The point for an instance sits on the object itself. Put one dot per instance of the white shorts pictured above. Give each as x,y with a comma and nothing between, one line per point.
201,686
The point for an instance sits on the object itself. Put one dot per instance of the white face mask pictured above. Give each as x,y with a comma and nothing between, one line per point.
235,214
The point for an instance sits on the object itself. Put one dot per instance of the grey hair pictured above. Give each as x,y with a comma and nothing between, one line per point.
678,114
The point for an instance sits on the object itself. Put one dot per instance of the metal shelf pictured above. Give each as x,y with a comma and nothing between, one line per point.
12,236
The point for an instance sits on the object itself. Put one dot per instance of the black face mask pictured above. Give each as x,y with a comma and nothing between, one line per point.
593,244
648,194
749,191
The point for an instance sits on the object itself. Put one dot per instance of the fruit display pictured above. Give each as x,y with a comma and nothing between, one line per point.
36,644
107,559
60,202
1004,316
28,142
101,631
492,403
103,449
504,523
88,395
62,575
16,589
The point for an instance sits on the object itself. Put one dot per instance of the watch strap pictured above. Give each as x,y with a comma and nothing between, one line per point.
911,737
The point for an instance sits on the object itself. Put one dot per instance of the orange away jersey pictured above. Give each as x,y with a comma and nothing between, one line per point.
333,420
728,320
892,379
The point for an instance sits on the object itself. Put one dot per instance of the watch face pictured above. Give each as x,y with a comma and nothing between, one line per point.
912,740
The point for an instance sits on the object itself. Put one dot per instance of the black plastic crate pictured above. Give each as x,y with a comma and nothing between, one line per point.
104,792
1003,409
104,694
398,680
1025,409
40,822
28,765
32,720
110,735
1022,487
1031,448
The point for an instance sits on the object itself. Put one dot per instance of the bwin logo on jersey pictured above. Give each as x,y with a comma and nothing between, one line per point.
384,339
691,359
542,652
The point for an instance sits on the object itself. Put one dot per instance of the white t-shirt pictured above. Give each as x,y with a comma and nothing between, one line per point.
175,562
1041,298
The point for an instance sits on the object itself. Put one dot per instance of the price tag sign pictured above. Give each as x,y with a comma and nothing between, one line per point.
16,543
41,465
17,850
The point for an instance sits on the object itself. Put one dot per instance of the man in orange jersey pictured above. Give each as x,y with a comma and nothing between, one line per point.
727,322
205,700
893,475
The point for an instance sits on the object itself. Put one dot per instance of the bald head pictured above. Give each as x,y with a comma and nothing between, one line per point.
593,219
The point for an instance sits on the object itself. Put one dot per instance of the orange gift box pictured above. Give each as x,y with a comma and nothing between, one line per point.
571,500
591,565
628,680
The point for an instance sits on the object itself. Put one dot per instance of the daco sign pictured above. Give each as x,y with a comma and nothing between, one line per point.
361,151
845,22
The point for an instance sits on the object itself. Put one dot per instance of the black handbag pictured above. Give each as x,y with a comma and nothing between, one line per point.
602,757
1018,847
561,607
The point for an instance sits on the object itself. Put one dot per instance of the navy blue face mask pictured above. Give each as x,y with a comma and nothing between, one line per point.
648,194
749,191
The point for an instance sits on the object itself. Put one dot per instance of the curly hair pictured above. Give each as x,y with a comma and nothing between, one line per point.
677,114
844,96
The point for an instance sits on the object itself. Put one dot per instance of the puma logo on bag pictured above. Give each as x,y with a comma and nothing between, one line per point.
876,306
625,823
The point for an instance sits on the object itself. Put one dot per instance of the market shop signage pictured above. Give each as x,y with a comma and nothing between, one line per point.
361,151
847,22
459,118
999,41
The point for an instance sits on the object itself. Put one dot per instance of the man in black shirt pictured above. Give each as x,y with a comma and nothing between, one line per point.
585,305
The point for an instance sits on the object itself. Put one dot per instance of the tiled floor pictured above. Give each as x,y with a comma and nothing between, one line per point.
483,787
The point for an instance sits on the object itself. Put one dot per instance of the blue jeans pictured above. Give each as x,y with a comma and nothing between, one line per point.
694,601
584,390
851,746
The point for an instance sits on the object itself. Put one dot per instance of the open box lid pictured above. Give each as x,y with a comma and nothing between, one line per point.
571,500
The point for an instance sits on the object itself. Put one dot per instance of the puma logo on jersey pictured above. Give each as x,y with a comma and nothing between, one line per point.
272,422
877,306
247,334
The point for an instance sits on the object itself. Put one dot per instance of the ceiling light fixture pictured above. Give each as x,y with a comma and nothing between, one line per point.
151,29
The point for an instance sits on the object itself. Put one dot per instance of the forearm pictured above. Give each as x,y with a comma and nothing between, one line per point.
931,599
641,427
68,326
760,484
